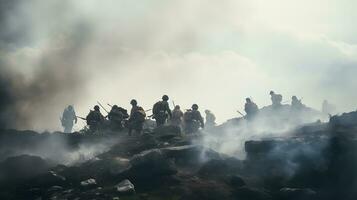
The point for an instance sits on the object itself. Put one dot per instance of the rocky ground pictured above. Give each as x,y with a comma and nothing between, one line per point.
315,161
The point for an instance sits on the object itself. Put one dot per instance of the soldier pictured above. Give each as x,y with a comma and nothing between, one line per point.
193,120
161,111
116,117
210,119
137,118
250,108
68,116
296,104
177,114
95,119
276,99
328,108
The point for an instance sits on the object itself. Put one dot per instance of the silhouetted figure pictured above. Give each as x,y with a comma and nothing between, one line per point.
210,119
95,119
328,108
161,111
193,120
276,99
137,118
116,117
251,109
296,104
177,115
68,117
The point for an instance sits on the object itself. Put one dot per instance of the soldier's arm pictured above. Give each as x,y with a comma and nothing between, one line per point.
168,110
201,120
75,117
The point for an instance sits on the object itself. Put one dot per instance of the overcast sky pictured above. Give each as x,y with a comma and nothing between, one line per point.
213,53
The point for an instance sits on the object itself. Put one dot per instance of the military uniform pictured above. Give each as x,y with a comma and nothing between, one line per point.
296,104
210,119
95,120
116,117
251,109
137,119
193,121
276,99
176,119
161,111
68,117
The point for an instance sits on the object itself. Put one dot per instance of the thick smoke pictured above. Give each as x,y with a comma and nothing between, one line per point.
212,53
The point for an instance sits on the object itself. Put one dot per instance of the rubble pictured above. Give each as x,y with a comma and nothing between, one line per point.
125,187
89,182
315,161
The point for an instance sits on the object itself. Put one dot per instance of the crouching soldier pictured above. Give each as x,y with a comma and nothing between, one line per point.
193,120
116,117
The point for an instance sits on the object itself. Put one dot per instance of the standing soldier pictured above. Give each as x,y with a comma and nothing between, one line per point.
161,111
95,119
193,120
210,119
68,116
137,118
177,114
276,99
250,108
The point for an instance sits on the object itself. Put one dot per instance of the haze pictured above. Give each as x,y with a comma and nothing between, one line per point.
213,53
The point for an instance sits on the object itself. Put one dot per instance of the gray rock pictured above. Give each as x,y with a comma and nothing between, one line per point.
125,187
89,182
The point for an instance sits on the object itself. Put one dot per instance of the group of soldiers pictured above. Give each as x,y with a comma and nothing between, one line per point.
252,109
118,118
189,121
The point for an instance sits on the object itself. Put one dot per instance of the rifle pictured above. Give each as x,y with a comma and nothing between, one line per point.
109,105
240,113
173,103
148,110
102,106
82,118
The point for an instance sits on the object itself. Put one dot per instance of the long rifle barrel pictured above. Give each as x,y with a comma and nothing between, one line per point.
240,113
102,106
81,118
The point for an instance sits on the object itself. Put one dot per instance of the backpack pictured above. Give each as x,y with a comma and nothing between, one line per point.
140,114
159,108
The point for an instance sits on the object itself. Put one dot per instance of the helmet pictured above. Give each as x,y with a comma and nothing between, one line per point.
294,98
115,107
70,107
177,107
133,102
194,107
207,111
96,108
165,98
248,100
272,92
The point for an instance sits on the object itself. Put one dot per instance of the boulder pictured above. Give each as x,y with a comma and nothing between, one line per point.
150,164
88,183
125,187
22,167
